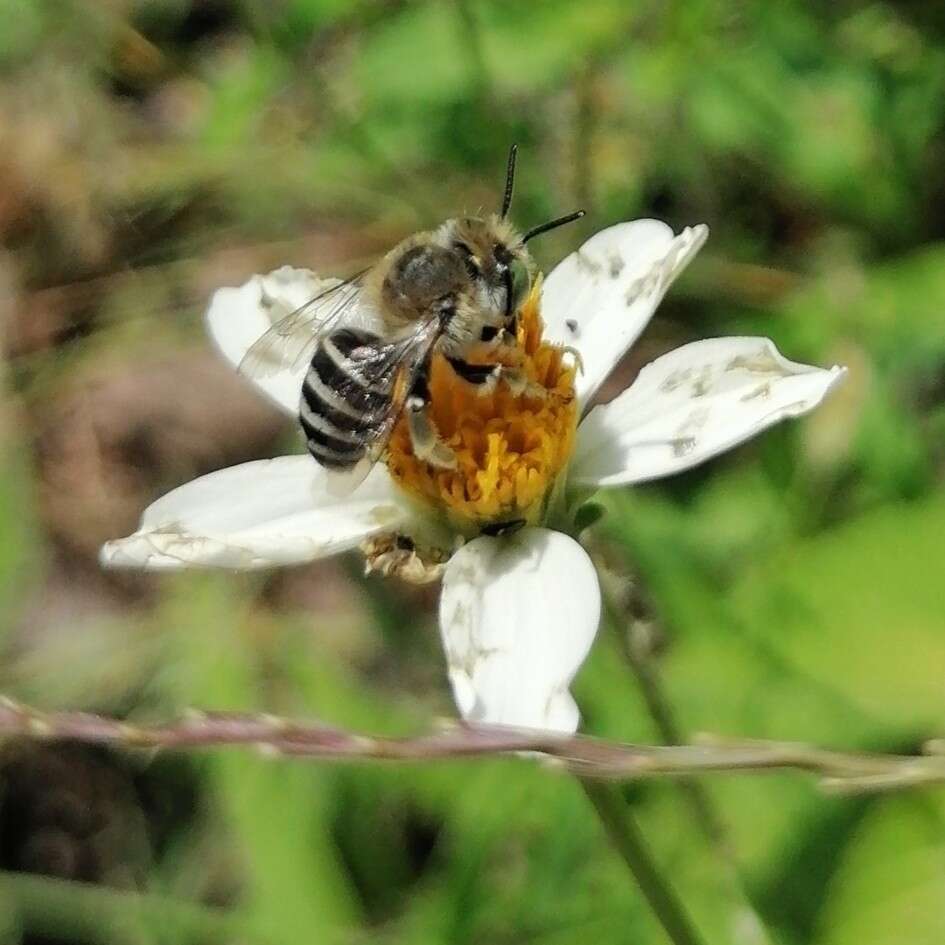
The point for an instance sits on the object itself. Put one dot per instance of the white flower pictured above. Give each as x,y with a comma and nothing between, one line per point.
518,612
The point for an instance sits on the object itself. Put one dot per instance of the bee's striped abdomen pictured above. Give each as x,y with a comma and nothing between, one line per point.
343,402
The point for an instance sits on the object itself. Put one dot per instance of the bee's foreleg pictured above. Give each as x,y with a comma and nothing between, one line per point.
426,442
517,382
508,336
485,378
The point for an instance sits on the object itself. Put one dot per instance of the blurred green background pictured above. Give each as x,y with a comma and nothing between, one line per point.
151,151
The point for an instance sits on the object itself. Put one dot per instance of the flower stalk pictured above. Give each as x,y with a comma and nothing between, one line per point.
639,657
629,843
839,772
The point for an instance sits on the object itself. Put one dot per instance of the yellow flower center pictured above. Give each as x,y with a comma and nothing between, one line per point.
510,446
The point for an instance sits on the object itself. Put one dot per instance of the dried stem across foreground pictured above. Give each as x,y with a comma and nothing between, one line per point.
843,772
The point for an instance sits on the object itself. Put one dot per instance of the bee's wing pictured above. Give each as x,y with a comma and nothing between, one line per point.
393,365
292,340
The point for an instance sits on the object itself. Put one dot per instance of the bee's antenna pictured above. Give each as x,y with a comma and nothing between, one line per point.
509,181
551,225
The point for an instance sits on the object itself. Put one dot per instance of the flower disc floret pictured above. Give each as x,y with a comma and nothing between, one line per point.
510,444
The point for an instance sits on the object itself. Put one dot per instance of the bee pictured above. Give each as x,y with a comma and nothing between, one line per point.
369,340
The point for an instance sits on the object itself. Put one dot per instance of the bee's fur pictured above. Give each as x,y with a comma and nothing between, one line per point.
450,290
459,270
469,275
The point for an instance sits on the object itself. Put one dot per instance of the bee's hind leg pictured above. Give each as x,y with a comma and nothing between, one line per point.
427,445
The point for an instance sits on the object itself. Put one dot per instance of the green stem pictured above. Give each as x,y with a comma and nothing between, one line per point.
670,733
667,728
628,841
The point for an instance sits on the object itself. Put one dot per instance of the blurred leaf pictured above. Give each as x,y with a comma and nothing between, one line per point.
19,552
894,309
427,35
277,809
860,609
890,884
834,639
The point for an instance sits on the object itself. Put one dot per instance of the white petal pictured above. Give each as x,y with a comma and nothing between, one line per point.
601,297
691,405
237,318
518,615
257,515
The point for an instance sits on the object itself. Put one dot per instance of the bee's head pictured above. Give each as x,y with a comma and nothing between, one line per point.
498,264
495,257
496,254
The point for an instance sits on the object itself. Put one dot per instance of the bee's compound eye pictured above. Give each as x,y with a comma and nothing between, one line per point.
469,260
488,332
521,282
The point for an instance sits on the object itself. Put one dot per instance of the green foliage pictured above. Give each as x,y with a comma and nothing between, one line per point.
794,587
871,903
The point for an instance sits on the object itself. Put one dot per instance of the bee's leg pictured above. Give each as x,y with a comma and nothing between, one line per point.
508,334
427,445
485,377
518,383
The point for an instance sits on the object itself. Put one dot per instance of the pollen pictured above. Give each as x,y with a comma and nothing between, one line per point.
510,443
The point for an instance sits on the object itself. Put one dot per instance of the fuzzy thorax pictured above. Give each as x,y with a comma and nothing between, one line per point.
510,446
